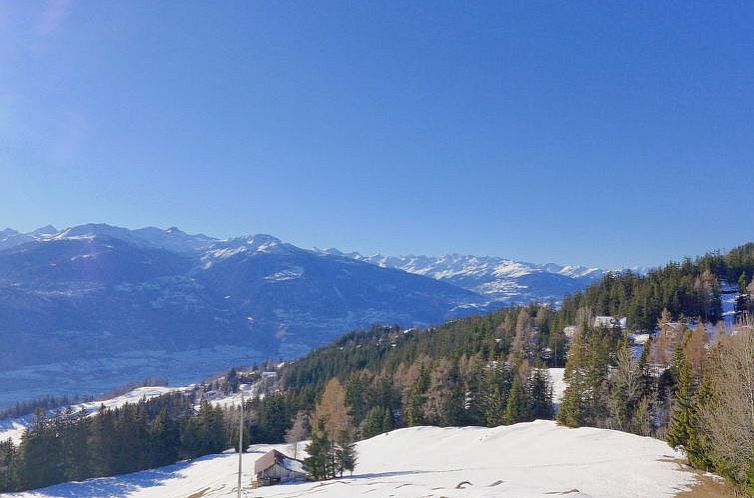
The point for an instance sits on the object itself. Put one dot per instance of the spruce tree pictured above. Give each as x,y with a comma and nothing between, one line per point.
697,446
318,450
8,465
417,398
641,423
540,394
387,420
75,445
573,407
346,456
518,408
453,408
680,426
374,422
38,443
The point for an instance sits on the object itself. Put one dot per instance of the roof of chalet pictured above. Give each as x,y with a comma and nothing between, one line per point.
274,457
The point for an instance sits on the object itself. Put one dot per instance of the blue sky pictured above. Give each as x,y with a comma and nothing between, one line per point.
610,133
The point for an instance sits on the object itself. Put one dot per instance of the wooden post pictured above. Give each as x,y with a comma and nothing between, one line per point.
240,444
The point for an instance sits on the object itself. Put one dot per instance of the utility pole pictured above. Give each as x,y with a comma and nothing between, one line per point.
240,444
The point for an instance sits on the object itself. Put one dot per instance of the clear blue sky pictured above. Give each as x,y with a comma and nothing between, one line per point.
610,133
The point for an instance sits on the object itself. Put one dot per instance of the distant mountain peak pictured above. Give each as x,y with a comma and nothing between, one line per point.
498,278
45,230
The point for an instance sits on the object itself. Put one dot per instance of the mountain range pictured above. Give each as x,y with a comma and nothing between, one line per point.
94,306
498,278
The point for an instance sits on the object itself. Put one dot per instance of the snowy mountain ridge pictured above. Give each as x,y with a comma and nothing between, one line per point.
499,278
452,265
94,306
496,278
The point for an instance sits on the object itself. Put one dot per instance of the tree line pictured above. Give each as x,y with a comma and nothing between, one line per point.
23,408
483,370
690,288
693,392
71,446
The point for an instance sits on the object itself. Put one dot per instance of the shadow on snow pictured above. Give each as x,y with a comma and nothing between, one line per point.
120,485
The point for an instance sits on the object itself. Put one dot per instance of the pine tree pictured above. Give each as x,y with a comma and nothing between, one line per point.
642,423
453,407
356,390
8,465
75,447
318,450
163,440
387,420
231,381
373,425
518,408
345,455
743,300
573,407
417,398
698,446
680,426
742,283
101,441
40,441
540,394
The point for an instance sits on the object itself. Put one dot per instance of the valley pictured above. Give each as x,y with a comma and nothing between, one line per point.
95,306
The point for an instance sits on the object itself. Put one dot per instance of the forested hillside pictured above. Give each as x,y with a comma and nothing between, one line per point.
484,370
691,289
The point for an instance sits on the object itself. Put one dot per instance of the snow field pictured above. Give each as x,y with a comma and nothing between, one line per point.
533,459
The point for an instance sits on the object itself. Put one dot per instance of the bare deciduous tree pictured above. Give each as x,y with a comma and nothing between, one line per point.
626,390
298,432
728,418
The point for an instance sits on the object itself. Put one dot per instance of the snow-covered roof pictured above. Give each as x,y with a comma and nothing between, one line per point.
274,457
610,321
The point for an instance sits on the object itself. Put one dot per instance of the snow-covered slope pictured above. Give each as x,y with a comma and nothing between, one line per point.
498,278
558,384
14,428
11,238
535,459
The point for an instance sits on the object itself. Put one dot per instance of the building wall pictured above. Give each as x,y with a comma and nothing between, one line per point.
278,473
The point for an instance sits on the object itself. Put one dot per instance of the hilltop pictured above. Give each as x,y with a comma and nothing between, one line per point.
533,459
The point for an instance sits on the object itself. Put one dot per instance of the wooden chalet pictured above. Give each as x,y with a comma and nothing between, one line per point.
274,467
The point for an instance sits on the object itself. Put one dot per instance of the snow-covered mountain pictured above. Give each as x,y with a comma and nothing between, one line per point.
171,239
93,306
498,278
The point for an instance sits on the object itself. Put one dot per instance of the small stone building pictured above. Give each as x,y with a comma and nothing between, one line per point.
274,467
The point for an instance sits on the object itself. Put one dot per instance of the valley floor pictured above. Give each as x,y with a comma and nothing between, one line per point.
535,459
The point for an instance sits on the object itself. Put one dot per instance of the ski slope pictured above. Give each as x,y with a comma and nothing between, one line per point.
534,459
